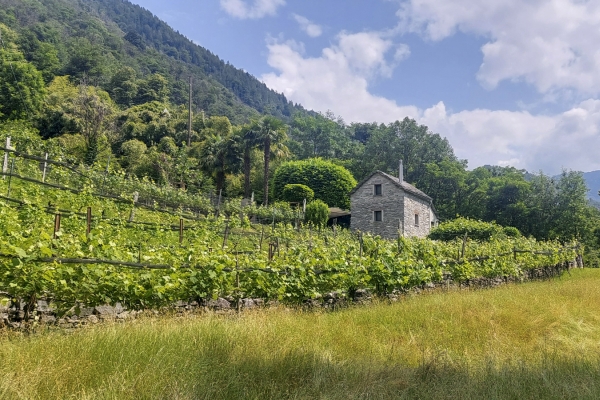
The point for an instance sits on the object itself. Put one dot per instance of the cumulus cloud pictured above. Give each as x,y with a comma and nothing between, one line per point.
258,9
521,139
313,30
552,45
338,80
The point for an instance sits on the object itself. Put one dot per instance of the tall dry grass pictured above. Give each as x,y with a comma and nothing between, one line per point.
533,340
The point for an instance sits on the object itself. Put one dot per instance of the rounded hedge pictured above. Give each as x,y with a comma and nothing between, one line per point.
317,213
296,193
476,230
331,183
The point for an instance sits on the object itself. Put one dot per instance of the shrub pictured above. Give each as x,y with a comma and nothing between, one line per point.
511,231
317,213
476,230
296,193
331,183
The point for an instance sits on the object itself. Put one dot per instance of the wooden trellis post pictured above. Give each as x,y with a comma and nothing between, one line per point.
180,231
5,164
45,167
56,225
89,222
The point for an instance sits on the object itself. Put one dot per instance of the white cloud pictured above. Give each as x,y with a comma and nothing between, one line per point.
259,8
521,139
313,30
338,80
552,44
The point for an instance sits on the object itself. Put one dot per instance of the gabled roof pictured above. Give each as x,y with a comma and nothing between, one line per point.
407,187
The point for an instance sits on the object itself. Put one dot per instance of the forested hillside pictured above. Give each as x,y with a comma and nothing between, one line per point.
98,38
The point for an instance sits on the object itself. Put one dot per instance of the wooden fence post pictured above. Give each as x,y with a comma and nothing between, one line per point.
360,241
262,235
5,164
180,231
225,235
45,167
464,244
12,170
219,202
56,225
89,222
136,196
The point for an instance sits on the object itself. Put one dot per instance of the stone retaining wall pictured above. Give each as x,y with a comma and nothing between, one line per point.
13,317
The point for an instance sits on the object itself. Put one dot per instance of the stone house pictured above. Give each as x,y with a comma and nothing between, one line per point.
385,205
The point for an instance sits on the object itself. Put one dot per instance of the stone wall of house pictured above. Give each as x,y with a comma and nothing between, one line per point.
364,202
414,205
398,210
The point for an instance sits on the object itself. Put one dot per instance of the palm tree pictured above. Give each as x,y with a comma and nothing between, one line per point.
249,141
270,131
218,155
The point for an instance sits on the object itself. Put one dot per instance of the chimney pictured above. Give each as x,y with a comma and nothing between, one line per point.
401,172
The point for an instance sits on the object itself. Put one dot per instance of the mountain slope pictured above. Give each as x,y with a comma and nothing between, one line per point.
97,38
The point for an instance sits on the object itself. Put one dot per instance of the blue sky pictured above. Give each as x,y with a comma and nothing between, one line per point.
508,82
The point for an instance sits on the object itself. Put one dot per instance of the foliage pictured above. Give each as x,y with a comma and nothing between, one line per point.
307,264
297,193
476,230
21,84
317,213
331,183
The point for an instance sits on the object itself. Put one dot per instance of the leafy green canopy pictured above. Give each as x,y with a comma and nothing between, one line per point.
331,183
317,213
297,193
476,230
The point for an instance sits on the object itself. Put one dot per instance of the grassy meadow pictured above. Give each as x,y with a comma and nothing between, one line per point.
538,340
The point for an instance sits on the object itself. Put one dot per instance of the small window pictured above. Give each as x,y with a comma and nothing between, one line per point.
378,190
416,219
378,216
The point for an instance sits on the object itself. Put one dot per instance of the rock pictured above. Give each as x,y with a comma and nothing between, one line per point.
3,308
47,319
124,315
85,311
42,306
248,303
259,302
219,304
430,285
361,293
93,319
17,315
105,311
119,308
180,304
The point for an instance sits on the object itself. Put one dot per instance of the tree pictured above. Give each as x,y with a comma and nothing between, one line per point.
249,141
297,193
21,84
270,131
219,152
93,111
153,88
331,183
403,140
217,156
317,213
123,86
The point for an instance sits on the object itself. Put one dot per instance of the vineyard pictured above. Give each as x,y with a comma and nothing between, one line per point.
95,246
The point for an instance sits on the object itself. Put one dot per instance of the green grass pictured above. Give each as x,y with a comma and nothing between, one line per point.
522,341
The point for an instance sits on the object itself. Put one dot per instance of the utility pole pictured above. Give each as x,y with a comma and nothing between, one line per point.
189,141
